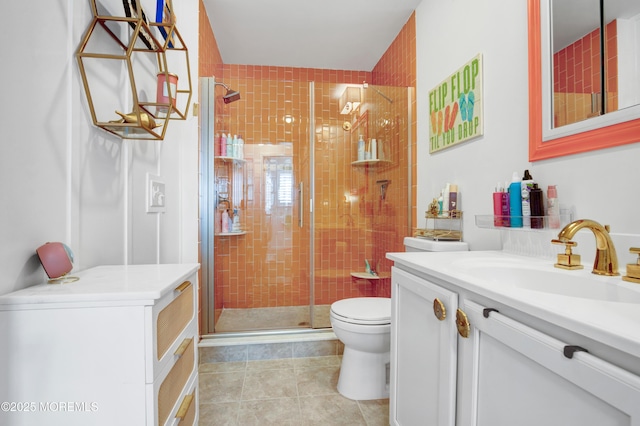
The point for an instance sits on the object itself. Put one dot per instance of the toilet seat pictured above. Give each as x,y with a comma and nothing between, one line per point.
363,310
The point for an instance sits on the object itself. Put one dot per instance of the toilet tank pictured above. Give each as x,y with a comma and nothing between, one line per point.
423,244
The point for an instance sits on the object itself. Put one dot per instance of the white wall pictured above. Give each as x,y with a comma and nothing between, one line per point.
64,179
601,185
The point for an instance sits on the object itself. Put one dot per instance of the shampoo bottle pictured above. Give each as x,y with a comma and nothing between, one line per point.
223,145
526,186
497,205
553,208
216,145
240,148
505,206
361,148
374,149
235,227
515,201
234,147
225,222
229,146
536,198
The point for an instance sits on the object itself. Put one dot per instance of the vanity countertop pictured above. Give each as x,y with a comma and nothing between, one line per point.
111,284
609,314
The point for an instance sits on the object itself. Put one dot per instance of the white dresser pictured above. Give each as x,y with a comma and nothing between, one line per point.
116,347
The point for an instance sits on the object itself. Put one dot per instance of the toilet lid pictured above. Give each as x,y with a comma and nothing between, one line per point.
363,310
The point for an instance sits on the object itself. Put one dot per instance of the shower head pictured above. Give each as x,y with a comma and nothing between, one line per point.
231,95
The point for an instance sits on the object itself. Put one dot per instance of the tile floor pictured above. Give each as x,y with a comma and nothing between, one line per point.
287,317
289,391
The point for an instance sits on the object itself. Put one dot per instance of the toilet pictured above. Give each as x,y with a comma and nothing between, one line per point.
363,325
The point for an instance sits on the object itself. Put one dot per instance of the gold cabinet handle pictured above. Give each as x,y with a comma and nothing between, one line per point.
439,310
182,287
184,406
462,322
183,346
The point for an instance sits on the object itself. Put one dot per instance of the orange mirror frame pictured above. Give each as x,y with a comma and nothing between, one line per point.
603,137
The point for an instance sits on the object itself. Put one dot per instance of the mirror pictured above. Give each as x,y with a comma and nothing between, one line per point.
612,115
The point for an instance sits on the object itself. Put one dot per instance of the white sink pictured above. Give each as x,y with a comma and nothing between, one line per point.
544,278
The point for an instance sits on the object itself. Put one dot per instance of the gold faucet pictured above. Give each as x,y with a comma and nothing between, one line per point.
606,261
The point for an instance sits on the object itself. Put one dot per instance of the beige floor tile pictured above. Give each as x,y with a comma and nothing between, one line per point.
267,384
375,412
222,367
334,410
219,414
221,387
298,391
318,361
271,364
281,411
317,380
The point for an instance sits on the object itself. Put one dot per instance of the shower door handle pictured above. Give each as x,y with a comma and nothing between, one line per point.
300,205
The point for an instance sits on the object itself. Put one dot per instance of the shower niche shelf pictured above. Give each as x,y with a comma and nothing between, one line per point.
231,159
230,178
371,163
230,234
368,276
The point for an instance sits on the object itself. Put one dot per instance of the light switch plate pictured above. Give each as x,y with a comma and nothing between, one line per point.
156,196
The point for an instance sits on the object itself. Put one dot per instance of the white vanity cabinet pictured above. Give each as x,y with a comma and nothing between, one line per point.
423,352
511,373
511,369
116,347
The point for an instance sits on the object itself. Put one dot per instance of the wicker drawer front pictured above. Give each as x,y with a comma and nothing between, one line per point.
174,318
176,379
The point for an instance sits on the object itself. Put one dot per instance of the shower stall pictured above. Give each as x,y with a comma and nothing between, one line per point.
304,210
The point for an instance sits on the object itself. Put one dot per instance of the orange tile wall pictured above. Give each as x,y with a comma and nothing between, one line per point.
248,272
576,70
397,67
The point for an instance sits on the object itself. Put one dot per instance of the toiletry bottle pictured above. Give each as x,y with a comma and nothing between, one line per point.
361,148
216,145
440,202
235,227
515,201
526,186
536,198
367,151
453,200
553,208
225,221
229,146
497,205
445,200
234,147
374,149
223,145
240,148
505,206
